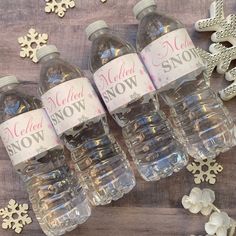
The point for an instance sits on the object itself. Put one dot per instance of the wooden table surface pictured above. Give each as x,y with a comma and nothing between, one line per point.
151,208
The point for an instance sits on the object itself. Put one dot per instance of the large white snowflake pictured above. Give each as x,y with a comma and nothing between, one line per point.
15,216
204,170
31,42
58,6
219,56
224,31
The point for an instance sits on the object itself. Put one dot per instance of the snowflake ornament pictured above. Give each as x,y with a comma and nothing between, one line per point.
216,18
15,216
224,31
59,6
224,27
229,92
30,43
219,56
205,170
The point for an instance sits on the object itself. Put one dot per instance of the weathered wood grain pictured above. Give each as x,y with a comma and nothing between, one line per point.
151,208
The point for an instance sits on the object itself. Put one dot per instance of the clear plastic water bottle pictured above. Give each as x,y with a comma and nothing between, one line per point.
203,123
129,95
80,120
58,201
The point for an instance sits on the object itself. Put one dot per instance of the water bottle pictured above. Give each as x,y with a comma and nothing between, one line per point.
58,201
200,119
129,95
80,121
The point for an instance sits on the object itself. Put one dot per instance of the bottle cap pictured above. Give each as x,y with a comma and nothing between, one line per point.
97,25
143,4
6,80
45,50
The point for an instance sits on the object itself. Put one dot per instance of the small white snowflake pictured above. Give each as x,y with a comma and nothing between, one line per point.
31,42
59,6
15,216
204,170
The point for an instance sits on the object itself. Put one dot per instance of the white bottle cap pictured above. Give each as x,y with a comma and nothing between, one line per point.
143,4
45,50
6,80
95,26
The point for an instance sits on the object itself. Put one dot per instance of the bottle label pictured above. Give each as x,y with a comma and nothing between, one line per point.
72,103
170,57
123,80
27,135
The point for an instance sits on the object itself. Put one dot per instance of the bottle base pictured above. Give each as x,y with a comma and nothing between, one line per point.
112,185
66,222
162,168
212,147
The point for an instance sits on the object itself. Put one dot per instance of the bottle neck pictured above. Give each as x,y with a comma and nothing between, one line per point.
146,11
98,33
49,57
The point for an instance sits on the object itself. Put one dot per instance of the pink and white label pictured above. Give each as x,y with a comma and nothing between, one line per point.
170,57
123,80
27,135
72,103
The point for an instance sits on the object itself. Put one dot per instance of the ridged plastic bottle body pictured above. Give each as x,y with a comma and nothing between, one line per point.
102,167
58,201
146,130
201,121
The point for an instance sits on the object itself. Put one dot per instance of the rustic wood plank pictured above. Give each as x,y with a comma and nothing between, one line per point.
151,208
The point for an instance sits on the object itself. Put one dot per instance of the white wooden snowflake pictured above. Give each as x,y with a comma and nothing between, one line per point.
229,92
30,43
225,28
59,6
224,31
205,170
15,216
219,56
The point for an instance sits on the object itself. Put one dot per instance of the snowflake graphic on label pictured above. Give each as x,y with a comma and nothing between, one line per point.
83,119
122,80
170,57
41,149
135,96
71,103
